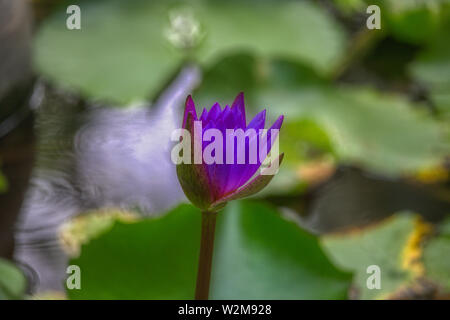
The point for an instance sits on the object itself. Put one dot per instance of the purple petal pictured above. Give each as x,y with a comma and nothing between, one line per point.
275,126
214,113
228,118
255,185
239,107
258,121
266,139
203,115
241,173
189,108
194,178
224,178
220,173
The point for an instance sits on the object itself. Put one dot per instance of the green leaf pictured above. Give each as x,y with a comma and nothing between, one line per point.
12,281
120,53
409,21
432,68
380,132
258,254
383,133
349,6
435,257
304,139
382,245
290,29
151,259
127,50
81,229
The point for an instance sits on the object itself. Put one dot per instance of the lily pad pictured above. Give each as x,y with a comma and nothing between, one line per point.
432,69
128,50
12,281
258,255
409,21
290,29
384,246
380,132
437,263
120,53
150,259
404,18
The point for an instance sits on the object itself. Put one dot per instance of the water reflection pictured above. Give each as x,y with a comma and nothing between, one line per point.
92,156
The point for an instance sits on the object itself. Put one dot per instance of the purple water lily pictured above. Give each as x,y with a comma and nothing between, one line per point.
210,186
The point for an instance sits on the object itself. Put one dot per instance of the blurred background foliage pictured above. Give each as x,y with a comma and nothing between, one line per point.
294,53
366,135
12,281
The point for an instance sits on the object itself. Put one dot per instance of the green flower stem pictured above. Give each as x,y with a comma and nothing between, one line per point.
206,255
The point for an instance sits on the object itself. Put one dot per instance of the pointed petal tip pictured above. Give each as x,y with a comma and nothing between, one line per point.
238,107
263,114
189,109
216,105
277,124
189,105
204,114
238,101
281,118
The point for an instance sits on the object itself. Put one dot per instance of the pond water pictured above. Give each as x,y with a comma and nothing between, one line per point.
95,156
